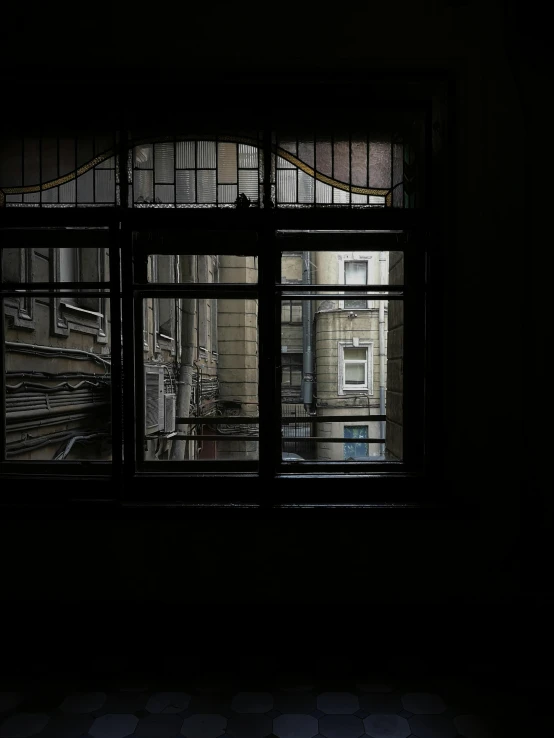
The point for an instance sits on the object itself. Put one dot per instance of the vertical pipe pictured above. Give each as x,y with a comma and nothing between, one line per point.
382,280
307,313
187,356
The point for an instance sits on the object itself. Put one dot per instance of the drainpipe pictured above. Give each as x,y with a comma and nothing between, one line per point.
188,349
307,319
382,280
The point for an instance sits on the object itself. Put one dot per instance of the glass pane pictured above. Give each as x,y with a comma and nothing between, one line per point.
165,194
341,267
355,354
56,255
200,361
31,161
359,161
68,265
206,155
68,192
58,396
341,161
50,195
355,304
354,450
324,193
85,187
186,186
57,163
227,193
227,163
283,163
164,157
205,185
286,186
143,186
306,150
360,169
221,269
144,156
205,173
305,187
105,185
354,374
291,311
355,272
108,163
398,176
380,164
49,156
248,157
248,184
185,154
339,372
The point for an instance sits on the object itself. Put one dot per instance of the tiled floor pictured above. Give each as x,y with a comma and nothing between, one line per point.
289,710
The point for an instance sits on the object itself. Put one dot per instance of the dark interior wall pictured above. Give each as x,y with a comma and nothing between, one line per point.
352,576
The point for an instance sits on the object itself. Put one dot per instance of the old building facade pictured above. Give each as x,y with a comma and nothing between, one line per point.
335,356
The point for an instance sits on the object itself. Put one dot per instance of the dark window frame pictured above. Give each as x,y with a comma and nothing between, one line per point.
122,228
401,485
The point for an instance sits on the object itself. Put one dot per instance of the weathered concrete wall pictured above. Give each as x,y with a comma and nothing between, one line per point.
36,406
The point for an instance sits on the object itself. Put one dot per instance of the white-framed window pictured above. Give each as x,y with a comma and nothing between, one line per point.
203,309
164,308
355,367
354,269
80,265
85,313
355,272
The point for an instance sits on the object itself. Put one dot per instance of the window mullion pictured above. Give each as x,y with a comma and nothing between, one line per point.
116,357
129,372
268,338
413,371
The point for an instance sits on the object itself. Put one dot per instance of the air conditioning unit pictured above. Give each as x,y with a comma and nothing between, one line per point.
159,407
169,413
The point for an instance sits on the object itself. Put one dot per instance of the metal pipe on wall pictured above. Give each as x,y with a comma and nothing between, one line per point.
307,347
383,279
188,350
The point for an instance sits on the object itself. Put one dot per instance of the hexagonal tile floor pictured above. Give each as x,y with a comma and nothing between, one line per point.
348,710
